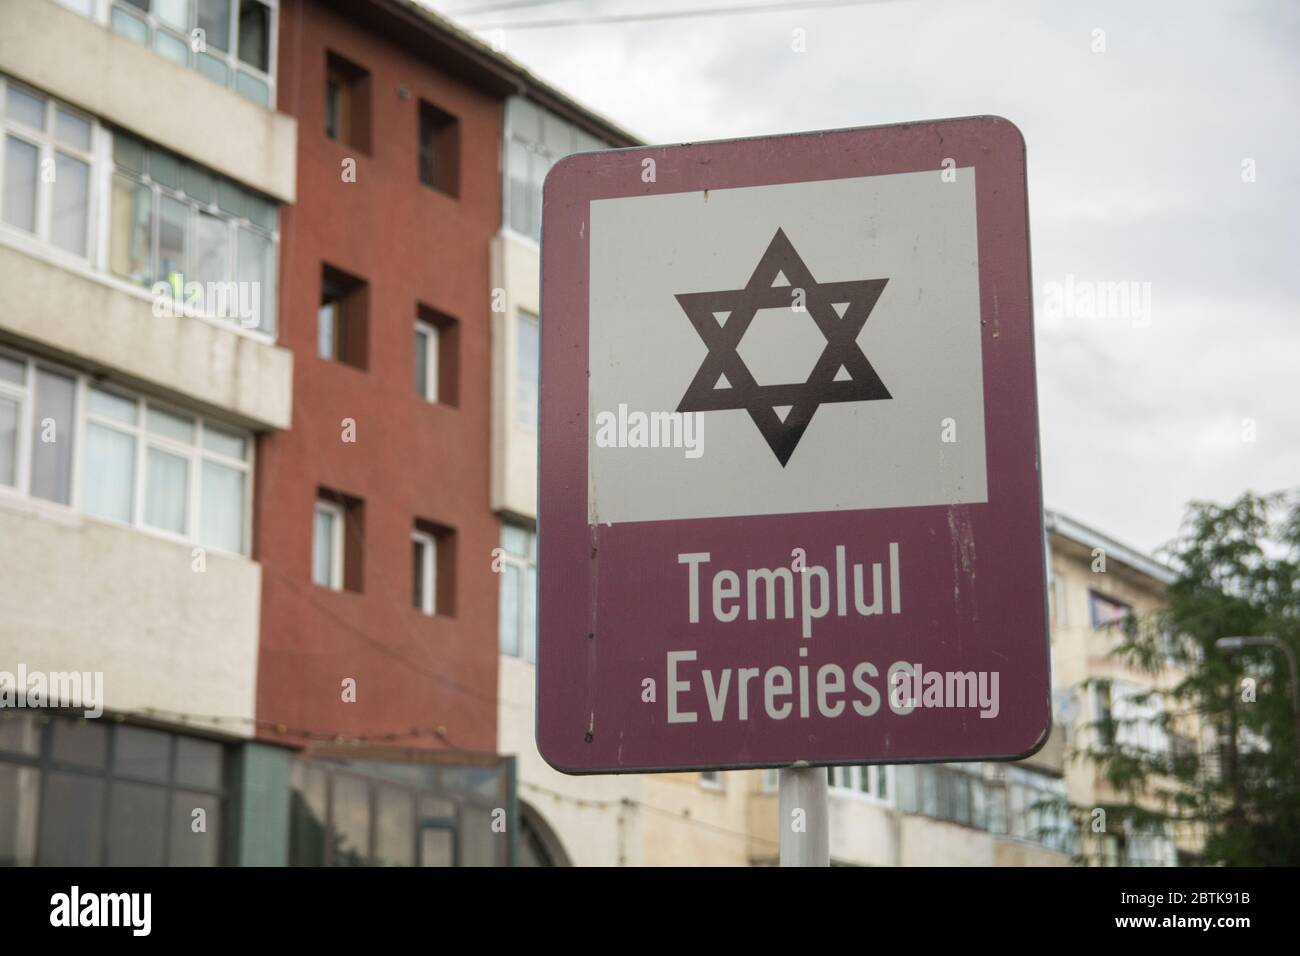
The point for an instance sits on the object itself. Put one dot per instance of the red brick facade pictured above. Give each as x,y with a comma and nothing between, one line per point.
413,461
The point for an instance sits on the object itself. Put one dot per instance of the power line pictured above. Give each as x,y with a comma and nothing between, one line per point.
792,6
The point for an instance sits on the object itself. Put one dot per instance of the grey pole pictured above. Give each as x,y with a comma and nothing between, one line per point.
805,820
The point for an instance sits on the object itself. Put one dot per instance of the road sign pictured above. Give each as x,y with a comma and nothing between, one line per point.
790,500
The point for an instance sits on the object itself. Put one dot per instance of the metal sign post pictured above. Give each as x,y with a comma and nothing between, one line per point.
805,820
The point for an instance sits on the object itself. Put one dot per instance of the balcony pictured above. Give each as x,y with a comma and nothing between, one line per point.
84,63
101,324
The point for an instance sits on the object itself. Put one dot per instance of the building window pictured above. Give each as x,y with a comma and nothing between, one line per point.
534,141
327,546
1029,805
338,537
228,41
170,471
426,361
439,150
38,428
182,226
433,583
437,344
424,571
349,816
1130,716
1149,846
711,779
347,103
1060,600
142,463
518,610
873,781
1106,612
956,793
528,344
342,319
47,160
95,793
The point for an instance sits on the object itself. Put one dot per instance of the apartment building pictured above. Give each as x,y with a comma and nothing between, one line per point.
1098,583
139,364
420,150
223,492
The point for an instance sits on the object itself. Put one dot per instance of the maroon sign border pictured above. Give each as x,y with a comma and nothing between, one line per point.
568,648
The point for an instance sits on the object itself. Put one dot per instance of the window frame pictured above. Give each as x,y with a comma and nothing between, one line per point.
23,396
429,571
48,147
44,762
1096,599
336,96
524,563
82,418
235,226
438,135
525,317
338,517
195,455
233,63
847,780
540,157
432,337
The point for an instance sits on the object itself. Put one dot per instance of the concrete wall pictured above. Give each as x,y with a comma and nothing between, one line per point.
690,823
596,819
1015,853
864,833
88,65
96,323
516,267
927,842
78,594
1081,652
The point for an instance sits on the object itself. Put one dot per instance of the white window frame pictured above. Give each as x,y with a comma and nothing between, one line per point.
433,343
711,780
235,225
1138,724
429,579
847,781
523,317
539,153
47,146
337,517
195,454
1023,788
524,563
22,395
96,263
230,57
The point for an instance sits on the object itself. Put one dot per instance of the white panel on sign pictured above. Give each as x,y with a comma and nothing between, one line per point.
898,256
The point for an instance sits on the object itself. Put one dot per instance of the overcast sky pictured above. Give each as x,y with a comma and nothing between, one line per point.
1136,162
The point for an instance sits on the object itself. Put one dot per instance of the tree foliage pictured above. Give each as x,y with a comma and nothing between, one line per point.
1234,785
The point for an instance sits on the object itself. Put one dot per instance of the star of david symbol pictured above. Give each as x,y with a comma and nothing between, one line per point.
841,374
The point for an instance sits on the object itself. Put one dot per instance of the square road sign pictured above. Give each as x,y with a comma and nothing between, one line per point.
790,505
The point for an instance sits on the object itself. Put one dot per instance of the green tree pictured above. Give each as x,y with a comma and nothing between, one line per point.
1238,574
